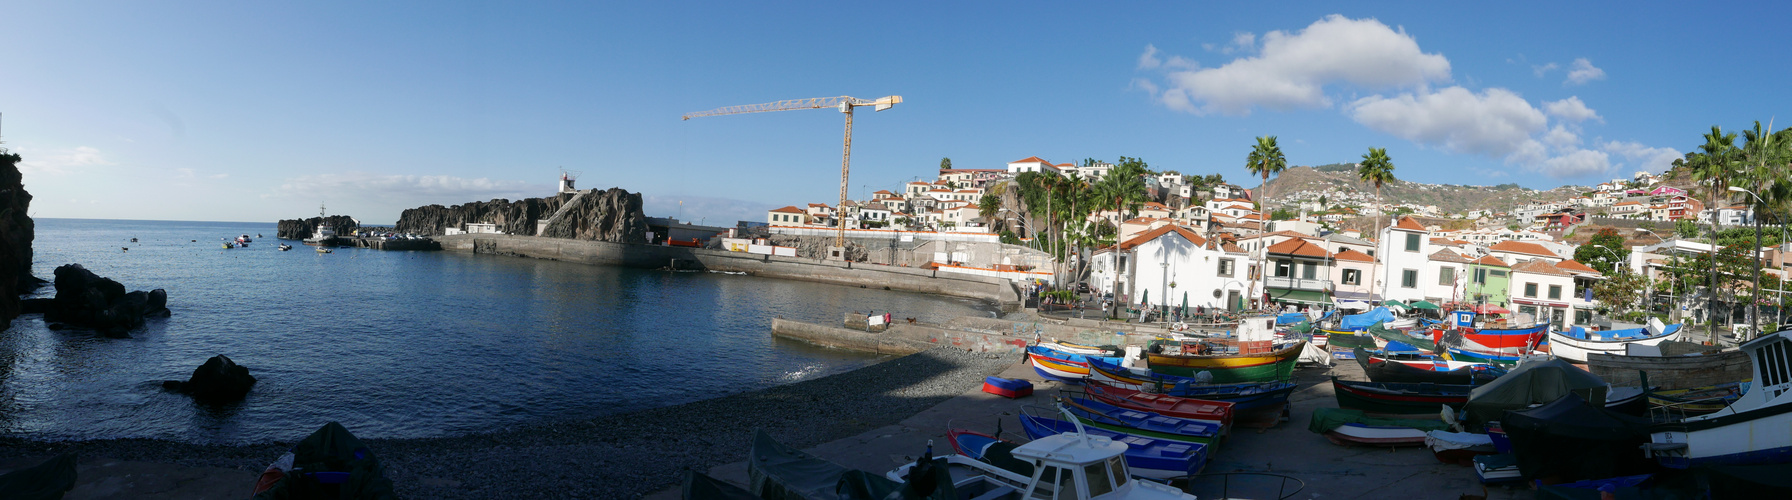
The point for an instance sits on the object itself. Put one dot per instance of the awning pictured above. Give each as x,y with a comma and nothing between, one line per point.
1362,296
1424,305
1307,296
1394,303
1534,302
1490,309
1352,305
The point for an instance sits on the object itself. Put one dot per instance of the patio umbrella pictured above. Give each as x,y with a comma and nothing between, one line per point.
1145,298
1394,303
1490,309
1185,302
1424,305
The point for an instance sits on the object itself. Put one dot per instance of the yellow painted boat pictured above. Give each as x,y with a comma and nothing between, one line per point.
1274,365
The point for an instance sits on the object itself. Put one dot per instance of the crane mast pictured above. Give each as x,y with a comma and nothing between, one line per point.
845,104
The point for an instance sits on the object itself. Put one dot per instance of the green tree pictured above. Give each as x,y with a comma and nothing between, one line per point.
1605,252
1265,160
988,207
1764,173
1715,165
1620,291
1282,214
1378,169
945,164
1123,187
1686,229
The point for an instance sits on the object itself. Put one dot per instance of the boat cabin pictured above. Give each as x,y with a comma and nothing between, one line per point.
1070,466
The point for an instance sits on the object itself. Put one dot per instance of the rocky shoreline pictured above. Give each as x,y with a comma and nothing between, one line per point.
613,456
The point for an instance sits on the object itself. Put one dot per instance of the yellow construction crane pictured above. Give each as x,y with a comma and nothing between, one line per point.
845,104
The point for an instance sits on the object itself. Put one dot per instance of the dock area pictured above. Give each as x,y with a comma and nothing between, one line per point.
1289,449
377,243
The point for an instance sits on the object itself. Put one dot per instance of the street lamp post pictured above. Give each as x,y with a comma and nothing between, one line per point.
1754,307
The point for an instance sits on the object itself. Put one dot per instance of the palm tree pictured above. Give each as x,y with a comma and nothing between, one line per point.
1125,186
1765,157
1715,165
1265,160
1376,169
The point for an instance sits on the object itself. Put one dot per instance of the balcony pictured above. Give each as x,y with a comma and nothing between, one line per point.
1298,284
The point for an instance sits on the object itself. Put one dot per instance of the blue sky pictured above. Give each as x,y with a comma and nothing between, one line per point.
257,111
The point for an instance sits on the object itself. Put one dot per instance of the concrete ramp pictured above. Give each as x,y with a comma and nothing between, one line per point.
560,212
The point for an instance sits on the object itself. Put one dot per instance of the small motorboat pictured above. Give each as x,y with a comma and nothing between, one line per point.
229,245
243,239
285,247
1346,427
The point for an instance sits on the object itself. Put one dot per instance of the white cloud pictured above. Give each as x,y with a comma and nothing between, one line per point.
411,190
1576,163
1561,139
1241,42
59,161
1496,122
1292,69
1583,71
1540,70
1572,110
1652,160
183,173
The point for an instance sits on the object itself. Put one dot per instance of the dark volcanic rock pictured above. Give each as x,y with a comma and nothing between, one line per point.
512,217
88,300
613,215
219,379
298,229
16,233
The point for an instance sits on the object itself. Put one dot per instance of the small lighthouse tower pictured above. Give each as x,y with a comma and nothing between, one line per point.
567,178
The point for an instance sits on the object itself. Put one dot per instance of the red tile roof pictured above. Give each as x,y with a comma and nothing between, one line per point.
1571,266
1538,266
1490,261
1349,254
1031,159
788,210
1166,229
1407,223
1447,255
1526,248
1298,247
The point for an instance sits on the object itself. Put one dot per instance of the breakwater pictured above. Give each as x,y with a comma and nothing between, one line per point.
997,290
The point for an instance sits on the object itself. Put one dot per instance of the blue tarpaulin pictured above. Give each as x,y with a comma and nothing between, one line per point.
1368,319
1290,318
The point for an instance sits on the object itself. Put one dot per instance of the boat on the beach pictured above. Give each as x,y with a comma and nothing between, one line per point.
1458,448
1496,338
1577,343
1083,349
1700,400
1243,362
1095,466
1253,405
1146,457
1061,366
1386,369
1346,427
1377,399
1095,413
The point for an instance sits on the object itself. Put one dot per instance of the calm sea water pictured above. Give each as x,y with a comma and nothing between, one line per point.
401,344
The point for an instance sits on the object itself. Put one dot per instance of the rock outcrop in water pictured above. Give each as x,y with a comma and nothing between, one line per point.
607,215
84,299
298,229
218,380
16,233
613,215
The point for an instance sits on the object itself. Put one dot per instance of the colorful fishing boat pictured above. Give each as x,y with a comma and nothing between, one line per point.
1756,429
1380,368
1083,349
1399,399
1497,338
1346,427
1245,366
1261,407
1245,396
1349,340
1575,344
1061,366
1145,457
1095,413
1090,467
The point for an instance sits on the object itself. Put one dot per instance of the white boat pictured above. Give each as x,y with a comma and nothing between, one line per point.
1577,343
1095,466
323,236
1757,428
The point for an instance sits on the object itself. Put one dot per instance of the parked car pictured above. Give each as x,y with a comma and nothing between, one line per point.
1082,287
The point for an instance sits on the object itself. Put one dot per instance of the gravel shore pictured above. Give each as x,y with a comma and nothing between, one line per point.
615,456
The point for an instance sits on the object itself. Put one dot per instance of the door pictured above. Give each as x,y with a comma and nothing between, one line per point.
1233,301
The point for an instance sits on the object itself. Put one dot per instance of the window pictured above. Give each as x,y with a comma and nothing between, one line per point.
1252,271
1530,310
1307,270
1555,292
1100,483
1480,276
1412,242
1409,278
1583,316
1530,290
1555,316
1499,274
1226,267
1446,276
1048,479
1283,269
1353,277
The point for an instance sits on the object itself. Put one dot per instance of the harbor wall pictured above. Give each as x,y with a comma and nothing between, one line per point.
999,291
1673,372
901,338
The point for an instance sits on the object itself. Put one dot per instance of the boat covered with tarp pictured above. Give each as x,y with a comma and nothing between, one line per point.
1570,440
1345,426
329,463
1534,382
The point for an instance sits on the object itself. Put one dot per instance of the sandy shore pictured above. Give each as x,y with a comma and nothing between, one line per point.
615,456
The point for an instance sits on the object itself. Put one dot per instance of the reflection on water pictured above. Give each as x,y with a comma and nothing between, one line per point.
402,344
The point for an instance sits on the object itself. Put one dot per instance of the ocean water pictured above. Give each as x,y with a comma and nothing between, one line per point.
401,344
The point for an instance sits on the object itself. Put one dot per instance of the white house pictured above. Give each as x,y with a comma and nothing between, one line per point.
1542,290
787,216
1032,164
1405,249
1204,274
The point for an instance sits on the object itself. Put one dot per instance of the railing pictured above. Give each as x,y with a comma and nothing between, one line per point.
1298,283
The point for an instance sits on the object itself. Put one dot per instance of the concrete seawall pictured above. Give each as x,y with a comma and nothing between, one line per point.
900,338
996,290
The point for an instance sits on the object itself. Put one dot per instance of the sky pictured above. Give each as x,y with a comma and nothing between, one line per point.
259,111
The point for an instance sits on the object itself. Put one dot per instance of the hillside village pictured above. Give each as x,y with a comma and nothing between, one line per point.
1198,241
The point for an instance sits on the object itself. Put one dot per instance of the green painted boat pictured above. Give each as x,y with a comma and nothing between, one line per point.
1350,340
1230,369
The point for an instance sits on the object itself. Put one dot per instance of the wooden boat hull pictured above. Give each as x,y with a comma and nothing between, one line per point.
1277,365
1369,435
1577,349
1094,413
1061,366
1244,397
1399,399
1500,338
1007,387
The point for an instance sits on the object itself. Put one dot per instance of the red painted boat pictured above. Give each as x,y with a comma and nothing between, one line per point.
1496,338
1169,406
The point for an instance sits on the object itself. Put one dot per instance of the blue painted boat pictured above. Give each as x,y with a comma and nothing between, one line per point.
1146,457
1244,397
1096,413
1062,366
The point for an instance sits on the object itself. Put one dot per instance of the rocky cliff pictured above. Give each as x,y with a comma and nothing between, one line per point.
512,217
298,229
609,215
16,233
613,215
